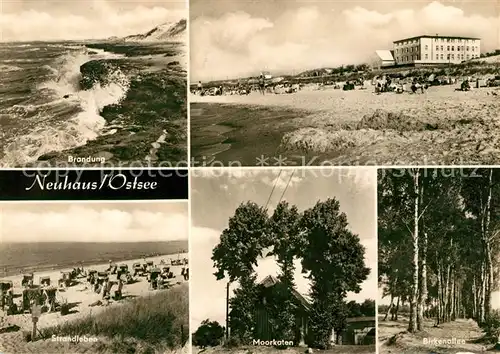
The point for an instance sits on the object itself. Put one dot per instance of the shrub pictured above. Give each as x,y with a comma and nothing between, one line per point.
209,334
491,326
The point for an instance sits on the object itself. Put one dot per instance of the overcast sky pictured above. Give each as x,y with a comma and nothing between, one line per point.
26,20
215,198
93,222
241,38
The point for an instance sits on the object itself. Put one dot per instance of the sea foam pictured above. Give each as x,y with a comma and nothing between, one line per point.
83,126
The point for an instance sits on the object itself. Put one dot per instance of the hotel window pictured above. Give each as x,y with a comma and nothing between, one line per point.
448,48
426,47
437,56
452,47
448,57
467,48
472,48
437,47
442,48
453,56
468,56
426,56
442,57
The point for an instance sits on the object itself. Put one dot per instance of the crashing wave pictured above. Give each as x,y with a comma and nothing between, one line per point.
65,88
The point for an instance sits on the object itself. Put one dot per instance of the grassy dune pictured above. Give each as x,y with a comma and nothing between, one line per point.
144,325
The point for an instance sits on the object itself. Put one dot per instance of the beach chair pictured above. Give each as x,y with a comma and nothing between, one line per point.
31,296
166,273
123,268
65,280
113,268
7,294
124,275
138,269
91,276
6,286
44,281
50,298
6,291
106,290
27,280
154,276
118,293
102,278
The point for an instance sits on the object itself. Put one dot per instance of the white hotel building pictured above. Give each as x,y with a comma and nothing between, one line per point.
435,50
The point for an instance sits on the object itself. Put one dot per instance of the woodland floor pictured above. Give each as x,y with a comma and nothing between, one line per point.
393,337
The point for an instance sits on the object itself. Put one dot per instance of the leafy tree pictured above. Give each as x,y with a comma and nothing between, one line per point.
354,309
241,315
284,233
242,243
444,228
333,258
209,334
236,255
367,308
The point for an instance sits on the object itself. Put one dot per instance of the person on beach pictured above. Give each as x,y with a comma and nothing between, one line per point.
262,84
200,88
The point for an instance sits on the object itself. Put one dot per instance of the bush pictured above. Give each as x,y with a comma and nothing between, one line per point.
209,334
233,342
491,326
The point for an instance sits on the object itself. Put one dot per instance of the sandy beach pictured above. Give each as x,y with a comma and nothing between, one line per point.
440,126
79,296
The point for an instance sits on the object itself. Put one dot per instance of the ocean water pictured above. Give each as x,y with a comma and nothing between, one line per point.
16,258
35,116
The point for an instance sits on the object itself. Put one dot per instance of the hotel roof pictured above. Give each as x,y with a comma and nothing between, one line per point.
436,36
385,55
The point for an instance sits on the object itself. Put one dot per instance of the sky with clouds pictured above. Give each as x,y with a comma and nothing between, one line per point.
27,20
216,194
94,222
242,38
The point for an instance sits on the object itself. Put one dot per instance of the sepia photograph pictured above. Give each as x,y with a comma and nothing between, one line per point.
309,83
438,260
88,83
94,277
285,262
